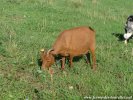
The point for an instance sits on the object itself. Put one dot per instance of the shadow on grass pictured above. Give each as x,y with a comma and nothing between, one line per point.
75,59
39,62
78,58
119,36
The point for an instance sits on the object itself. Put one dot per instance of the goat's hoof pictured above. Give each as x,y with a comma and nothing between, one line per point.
62,68
125,42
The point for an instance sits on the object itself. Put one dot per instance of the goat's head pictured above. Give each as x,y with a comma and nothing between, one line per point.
47,58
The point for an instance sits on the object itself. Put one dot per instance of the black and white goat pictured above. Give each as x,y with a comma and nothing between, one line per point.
128,28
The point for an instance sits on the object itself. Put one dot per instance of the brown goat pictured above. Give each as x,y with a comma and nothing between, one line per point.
70,43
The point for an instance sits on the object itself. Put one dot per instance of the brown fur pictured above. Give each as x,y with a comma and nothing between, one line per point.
74,42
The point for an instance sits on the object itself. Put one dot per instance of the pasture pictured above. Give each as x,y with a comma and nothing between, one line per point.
26,26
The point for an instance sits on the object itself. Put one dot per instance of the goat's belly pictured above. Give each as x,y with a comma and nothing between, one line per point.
78,52
74,51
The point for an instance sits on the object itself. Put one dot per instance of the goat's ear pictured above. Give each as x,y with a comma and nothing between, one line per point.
42,50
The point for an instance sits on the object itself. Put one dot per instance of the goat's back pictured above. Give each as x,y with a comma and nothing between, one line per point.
75,41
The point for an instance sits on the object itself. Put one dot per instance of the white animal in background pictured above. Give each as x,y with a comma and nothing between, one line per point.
128,28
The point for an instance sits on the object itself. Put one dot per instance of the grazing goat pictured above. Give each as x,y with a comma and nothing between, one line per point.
70,43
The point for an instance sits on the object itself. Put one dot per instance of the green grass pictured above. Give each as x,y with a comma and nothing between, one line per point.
26,26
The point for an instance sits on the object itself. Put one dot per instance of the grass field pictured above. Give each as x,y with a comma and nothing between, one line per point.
26,26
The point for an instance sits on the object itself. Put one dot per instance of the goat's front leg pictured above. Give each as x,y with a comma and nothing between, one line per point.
63,63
